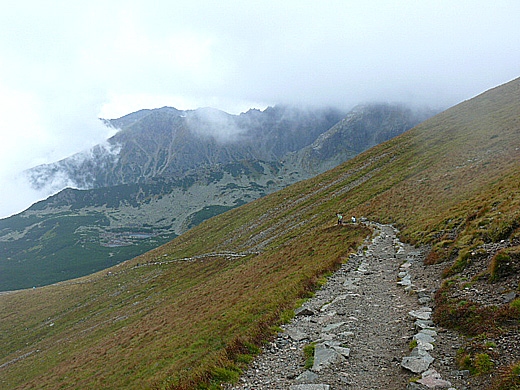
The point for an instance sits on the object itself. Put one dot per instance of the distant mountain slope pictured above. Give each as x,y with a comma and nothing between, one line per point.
165,172
168,143
364,127
192,312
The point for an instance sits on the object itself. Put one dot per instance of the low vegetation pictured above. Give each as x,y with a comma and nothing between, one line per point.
477,364
508,378
505,263
308,353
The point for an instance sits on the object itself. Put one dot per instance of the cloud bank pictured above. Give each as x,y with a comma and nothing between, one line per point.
64,64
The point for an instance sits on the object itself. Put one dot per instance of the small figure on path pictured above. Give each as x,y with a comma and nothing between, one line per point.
353,219
340,218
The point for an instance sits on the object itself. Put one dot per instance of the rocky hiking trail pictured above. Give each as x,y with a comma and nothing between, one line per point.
362,324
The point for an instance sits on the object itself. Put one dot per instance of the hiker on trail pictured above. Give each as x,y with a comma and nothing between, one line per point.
340,218
353,219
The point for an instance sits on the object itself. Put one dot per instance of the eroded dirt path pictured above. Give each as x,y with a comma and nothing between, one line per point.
359,324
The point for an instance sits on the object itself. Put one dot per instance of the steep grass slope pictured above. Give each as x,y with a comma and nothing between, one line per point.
193,312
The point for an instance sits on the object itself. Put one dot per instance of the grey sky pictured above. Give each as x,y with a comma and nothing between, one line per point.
65,63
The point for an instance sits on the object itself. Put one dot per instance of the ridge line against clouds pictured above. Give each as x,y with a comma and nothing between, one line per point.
64,64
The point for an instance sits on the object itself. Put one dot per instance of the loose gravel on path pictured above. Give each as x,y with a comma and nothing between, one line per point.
360,326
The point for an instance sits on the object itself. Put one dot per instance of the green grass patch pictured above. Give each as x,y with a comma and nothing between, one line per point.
476,363
308,353
515,304
504,263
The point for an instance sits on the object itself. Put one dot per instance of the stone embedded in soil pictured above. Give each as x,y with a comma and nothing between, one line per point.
331,327
424,337
430,332
509,297
425,345
307,376
421,314
418,362
345,352
303,311
296,335
423,324
405,281
323,356
415,364
310,387
432,379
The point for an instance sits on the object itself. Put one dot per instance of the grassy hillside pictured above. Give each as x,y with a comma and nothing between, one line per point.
194,311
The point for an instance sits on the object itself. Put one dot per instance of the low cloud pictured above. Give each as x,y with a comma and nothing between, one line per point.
33,134
63,67
74,171
214,123
17,194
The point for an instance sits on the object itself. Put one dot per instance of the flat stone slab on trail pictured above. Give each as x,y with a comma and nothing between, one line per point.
309,387
419,361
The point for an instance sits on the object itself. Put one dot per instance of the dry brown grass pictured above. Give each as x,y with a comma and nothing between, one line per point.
162,326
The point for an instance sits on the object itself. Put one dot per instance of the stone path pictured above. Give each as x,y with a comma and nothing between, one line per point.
361,324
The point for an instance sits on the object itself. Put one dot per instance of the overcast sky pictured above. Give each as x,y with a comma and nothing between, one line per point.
65,63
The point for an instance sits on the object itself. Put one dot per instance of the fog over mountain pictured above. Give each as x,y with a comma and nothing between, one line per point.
169,143
64,67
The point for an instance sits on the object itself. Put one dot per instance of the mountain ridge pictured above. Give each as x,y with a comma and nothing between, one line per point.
168,142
